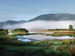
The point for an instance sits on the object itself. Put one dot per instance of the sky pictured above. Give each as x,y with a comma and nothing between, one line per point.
29,9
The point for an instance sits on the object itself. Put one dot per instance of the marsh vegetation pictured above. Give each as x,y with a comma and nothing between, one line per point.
10,43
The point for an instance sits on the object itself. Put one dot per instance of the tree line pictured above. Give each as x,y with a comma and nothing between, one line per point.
69,28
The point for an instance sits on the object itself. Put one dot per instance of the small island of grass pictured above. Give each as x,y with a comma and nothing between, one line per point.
20,31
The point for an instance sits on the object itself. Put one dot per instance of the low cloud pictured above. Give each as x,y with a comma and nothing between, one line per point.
41,25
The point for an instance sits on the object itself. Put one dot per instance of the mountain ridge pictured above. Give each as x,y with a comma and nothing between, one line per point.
11,22
55,17
44,17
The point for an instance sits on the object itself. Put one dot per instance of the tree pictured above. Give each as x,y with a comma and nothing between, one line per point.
1,29
70,27
6,30
20,29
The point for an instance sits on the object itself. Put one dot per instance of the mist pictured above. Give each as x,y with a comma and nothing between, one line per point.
41,25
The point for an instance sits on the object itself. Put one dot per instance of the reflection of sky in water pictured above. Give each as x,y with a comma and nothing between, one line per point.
40,37
25,40
9,33
40,32
44,37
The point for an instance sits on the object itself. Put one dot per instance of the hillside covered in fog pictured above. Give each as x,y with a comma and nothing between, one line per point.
46,21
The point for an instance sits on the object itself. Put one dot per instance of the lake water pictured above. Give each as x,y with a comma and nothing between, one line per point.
40,32
41,37
10,33
38,37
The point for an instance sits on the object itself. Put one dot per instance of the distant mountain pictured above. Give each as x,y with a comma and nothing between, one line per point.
44,17
11,22
55,17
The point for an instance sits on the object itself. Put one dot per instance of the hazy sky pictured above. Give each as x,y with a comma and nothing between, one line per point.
29,9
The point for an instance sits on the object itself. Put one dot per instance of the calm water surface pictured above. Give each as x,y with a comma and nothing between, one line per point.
38,37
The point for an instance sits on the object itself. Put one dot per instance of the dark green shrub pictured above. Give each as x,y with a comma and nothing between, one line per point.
20,29
1,29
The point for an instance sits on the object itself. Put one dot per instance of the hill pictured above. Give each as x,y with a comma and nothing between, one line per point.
11,22
55,17
44,17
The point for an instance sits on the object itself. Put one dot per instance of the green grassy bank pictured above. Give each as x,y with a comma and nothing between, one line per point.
9,45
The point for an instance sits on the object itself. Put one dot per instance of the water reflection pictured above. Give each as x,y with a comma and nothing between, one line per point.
10,33
25,40
39,37
40,32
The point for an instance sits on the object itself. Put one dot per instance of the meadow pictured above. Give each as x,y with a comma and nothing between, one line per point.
62,33
9,45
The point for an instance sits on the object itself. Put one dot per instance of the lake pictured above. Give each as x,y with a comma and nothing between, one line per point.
38,37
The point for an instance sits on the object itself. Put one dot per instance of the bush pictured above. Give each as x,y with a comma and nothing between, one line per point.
1,29
20,29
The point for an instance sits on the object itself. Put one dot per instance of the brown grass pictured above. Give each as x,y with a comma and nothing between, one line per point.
55,31
20,32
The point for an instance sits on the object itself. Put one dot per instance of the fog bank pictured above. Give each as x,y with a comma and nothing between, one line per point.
41,25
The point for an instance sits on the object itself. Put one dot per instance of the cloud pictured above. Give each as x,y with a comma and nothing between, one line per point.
41,25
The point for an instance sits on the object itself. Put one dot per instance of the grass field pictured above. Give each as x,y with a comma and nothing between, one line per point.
37,48
60,33
43,48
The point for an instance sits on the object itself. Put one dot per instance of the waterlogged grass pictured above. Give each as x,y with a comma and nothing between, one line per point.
61,34
51,52
30,50
14,42
2,33
43,48
54,42
19,33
